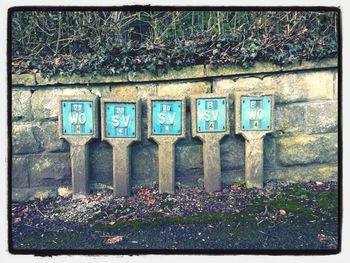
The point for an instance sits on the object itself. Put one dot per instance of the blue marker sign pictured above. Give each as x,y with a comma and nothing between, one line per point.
77,118
166,117
255,113
120,120
211,115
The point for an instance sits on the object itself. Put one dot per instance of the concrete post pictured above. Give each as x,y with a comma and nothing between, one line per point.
254,112
210,123
166,125
254,166
78,124
121,168
166,167
121,127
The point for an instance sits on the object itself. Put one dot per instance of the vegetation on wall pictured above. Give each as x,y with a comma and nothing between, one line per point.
108,43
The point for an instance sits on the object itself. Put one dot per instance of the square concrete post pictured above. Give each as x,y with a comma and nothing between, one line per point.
78,124
210,123
121,127
254,114
166,125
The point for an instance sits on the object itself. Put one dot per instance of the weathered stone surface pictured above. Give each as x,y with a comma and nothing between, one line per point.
269,152
45,101
101,91
49,169
23,139
268,67
335,85
183,89
184,73
307,149
227,86
23,79
47,134
79,79
322,173
292,87
25,194
290,119
232,153
20,173
322,117
100,161
21,106
304,86
189,161
144,163
142,91
312,117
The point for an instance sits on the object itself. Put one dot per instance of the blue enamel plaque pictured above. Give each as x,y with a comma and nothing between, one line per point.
211,115
120,120
255,113
77,118
166,117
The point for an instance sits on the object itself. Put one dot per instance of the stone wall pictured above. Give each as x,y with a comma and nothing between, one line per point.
303,147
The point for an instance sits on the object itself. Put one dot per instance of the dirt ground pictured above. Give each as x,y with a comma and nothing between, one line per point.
282,217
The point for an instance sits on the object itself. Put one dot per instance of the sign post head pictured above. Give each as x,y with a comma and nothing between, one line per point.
78,118
209,115
166,117
121,119
254,112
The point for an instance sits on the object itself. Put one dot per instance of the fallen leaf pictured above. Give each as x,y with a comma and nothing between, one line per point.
210,226
113,240
151,201
321,237
17,219
282,212
319,183
235,187
237,211
111,222
57,60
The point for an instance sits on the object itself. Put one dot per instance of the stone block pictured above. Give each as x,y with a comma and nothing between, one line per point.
45,101
47,134
269,152
23,139
80,79
315,172
181,89
290,119
144,163
189,160
322,117
305,86
183,73
307,149
289,87
21,105
101,91
142,91
101,162
232,153
49,169
23,79
20,173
